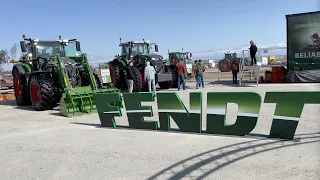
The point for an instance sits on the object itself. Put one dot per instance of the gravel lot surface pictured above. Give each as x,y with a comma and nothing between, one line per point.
44,145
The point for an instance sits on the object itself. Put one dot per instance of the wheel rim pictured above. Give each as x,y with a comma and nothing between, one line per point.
35,92
17,89
224,66
142,79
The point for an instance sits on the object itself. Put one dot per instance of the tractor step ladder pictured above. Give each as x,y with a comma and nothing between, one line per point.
248,74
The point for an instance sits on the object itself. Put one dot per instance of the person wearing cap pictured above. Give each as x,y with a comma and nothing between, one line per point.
149,76
130,76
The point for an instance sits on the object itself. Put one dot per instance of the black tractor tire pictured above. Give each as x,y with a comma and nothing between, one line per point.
20,86
46,98
165,84
116,76
224,65
137,87
98,81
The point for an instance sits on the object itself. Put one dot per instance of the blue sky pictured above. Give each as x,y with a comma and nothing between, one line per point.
195,25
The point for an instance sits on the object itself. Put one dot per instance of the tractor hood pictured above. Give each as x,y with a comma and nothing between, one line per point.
141,59
153,56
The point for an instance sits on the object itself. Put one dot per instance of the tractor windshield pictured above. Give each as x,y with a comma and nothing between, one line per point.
230,55
176,56
49,48
140,48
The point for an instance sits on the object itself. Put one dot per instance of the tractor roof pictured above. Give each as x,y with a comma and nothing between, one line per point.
135,42
177,52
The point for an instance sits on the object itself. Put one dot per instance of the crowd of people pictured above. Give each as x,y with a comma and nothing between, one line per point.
198,69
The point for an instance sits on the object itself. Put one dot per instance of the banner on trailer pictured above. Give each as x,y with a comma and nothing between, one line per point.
303,37
105,75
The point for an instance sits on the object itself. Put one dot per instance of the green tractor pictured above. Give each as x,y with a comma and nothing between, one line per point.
139,52
186,60
225,64
53,72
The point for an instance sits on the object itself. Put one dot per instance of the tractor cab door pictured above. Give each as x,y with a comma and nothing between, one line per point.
125,51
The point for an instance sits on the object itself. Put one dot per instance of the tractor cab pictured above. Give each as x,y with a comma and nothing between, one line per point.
230,55
175,56
131,49
45,49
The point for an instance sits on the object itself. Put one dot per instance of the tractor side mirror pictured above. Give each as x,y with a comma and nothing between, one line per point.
156,48
23,46
78,46
190,54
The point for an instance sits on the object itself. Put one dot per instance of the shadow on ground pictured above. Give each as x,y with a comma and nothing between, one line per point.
202,165
14,104
222,82
177,130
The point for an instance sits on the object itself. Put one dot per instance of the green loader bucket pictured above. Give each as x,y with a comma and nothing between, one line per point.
78,101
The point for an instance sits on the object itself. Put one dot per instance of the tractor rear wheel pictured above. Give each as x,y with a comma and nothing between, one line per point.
224,65
20,88
115,76
42,92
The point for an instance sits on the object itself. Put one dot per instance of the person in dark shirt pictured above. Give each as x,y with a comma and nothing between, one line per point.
200,68
235,70
130,77
253,50
181,72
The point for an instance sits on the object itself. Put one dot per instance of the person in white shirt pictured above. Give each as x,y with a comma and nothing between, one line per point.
149,76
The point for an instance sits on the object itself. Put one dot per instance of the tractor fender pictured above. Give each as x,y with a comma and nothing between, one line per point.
22,68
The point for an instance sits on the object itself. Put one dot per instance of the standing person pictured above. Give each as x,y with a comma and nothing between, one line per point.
130,76
181,72
194,70
235,70
253,50
149,76
199,73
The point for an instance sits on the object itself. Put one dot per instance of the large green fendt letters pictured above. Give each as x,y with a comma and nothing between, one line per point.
289,106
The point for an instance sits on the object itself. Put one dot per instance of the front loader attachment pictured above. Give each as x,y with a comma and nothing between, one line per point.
79,100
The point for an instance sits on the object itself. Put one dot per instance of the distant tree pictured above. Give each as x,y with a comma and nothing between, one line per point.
3,58
13,51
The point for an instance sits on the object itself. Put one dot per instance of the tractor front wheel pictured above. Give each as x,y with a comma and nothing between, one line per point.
137,82
224,65
42,92
20,88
